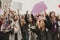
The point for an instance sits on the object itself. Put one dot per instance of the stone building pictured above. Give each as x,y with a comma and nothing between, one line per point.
5,4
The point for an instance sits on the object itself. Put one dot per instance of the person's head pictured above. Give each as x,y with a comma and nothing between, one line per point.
15,18
22,22
40,23
30,18
22,17
52,14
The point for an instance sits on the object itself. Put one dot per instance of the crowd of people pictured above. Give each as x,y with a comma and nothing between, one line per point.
28,27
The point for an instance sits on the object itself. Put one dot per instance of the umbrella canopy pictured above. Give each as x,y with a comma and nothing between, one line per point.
38,8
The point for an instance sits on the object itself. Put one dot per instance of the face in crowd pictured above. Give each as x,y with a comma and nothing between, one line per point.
30,18
15,18
22,21
52,14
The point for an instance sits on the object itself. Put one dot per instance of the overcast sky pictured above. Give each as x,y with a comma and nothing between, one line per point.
28,4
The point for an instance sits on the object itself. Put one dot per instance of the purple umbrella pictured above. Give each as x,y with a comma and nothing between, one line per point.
38,8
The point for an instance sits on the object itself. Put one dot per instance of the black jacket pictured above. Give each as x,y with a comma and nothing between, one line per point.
49,24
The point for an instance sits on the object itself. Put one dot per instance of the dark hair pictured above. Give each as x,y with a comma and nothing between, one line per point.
33,18
55,16
51,13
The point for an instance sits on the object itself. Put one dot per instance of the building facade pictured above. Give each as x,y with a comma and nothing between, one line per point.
5,4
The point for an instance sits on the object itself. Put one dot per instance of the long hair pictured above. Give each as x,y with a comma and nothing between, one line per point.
33,18
51,13
41,24
55,16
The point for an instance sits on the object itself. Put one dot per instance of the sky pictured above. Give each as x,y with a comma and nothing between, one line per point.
28,4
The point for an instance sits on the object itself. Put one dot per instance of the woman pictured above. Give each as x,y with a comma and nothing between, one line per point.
40,29
32,25
5,29
17,31
52,25
54,21
23,28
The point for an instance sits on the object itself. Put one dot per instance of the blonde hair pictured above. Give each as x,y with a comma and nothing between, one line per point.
41,24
